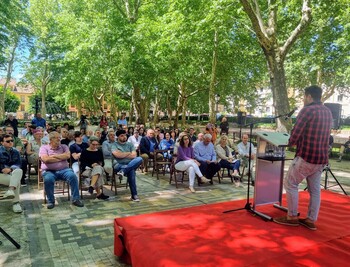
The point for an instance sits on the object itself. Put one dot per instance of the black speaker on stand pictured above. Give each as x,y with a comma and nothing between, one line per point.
335,108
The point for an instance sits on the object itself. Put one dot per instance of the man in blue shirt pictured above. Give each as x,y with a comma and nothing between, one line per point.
204,153
39,121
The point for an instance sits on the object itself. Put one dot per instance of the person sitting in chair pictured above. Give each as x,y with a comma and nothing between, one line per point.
91,161
226,159
10,171
204,153
344,149
185,161
148,145
126,161
54,167
243,151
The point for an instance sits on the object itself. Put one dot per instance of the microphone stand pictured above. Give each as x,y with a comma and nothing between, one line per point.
9,238
248,205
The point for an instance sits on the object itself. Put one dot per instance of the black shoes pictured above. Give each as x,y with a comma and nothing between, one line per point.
78,203
50,206
102,197
91,190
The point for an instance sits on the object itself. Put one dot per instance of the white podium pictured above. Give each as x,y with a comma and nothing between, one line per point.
269,169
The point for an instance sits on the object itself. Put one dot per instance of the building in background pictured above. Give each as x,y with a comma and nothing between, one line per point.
23,92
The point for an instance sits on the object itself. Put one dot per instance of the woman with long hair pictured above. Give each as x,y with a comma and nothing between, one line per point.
103,121
185,161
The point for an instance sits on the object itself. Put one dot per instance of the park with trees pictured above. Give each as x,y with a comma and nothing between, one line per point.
174,56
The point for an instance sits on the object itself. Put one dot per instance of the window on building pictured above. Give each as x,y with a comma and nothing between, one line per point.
22,107
268,109
23,98
104,106
340,98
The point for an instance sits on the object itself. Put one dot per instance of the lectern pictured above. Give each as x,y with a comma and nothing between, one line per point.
269,169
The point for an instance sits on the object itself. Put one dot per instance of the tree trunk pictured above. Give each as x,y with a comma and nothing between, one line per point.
212,109
156,109
279,91
184,109
169,109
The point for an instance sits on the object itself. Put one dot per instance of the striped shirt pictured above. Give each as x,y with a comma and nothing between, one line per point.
311,133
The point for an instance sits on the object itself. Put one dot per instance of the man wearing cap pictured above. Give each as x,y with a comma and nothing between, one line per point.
126,161
10,171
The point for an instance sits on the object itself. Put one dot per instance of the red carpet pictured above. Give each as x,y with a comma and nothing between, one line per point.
204,236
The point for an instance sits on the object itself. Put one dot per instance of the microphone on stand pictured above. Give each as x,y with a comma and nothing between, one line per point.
287,117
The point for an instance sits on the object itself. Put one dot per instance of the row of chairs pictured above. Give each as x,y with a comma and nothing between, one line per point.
62,187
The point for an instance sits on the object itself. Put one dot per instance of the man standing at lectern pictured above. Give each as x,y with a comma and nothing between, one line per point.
310,135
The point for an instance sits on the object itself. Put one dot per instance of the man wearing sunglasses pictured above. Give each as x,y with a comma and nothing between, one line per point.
18,144
10,171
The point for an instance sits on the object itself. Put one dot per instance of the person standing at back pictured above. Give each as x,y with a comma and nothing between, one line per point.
310,135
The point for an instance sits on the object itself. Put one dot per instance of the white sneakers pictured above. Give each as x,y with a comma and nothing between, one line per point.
17,208
8,195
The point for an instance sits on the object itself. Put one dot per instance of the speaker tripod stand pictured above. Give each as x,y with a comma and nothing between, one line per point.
326,170
9,238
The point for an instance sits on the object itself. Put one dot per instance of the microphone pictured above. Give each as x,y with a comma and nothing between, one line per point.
287,117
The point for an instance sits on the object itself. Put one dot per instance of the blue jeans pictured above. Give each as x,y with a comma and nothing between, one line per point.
231,166
129,171
65,175
298,171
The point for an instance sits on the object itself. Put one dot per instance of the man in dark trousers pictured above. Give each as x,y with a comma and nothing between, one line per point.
310,135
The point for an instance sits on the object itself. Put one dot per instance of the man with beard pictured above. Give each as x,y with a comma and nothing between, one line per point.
126,161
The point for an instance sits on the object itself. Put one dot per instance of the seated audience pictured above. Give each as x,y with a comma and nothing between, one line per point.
211,129
344,149
18,144
92,162
33,147
225,157
148,145
199,139
10,171
135,139
122,120
107,151
185,161
204,153
167,144
192,135
54,167
243,151
64,137
103,121
75,151
126,161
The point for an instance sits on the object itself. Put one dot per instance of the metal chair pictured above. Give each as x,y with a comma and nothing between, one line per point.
59,185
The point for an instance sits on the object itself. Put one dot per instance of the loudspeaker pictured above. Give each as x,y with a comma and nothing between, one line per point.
336,114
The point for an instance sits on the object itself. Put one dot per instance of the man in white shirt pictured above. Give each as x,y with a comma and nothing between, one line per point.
135,139
243,151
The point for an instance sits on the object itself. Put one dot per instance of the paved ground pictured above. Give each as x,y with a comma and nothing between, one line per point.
70,236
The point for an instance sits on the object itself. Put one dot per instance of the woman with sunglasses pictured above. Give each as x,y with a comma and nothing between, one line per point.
185,161
91,160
